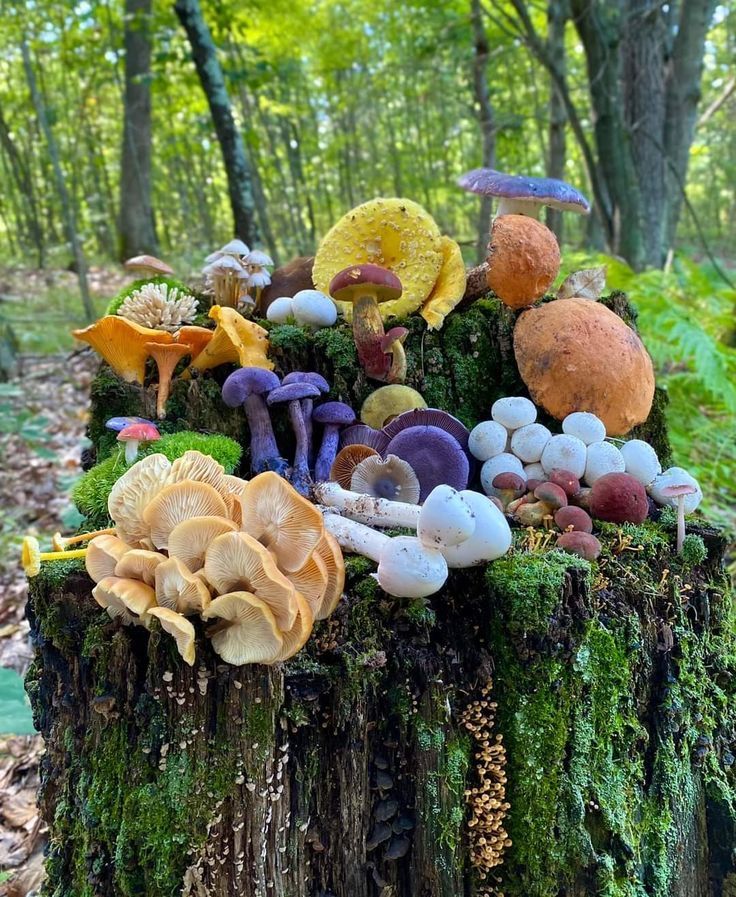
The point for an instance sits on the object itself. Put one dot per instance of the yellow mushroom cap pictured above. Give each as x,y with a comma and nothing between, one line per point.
311,581
330,552
237,562
190,539
122,343
196,338
387,402
194,465
296,638
178,502
234,341
31,556
394,233
126,599
139,563
449,287
180,628
131,494
285,522
103,555
179,589
252,635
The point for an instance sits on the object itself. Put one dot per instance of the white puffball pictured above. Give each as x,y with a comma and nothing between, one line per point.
445,519
514,412
566,453
280,310
676,476
503,463
491,539
313,309
585,426
528,442
534,472
407,569
602,458
487,439
641,461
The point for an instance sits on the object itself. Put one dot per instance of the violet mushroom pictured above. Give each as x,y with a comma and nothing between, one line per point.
435,455
120,423
333,416
292,394
679,491
520,195
247,387
307,404
366,286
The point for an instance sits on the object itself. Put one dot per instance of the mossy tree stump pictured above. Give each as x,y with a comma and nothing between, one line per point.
344,772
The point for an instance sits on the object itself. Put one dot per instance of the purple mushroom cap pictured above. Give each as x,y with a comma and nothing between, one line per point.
361,434
436,456
247,387
292,392
120,423
307,404
332,415
246,382
518,188
433,417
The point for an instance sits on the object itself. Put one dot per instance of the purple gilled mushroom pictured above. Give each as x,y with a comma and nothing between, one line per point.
361,434
248,387
307,404
436,456
333,416
293,393
520,195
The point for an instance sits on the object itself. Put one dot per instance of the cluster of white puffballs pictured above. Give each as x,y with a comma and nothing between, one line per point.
308,308
454,529
513,442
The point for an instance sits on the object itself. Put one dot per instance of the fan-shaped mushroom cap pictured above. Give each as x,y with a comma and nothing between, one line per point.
190,539
196,338
126,599
577,355
138,563
394,233
235,341
435,456
235,490
330,552
249,633
178,502
130,495
194,465
347,460
311,581
295,638
122,343
391,478
179,628
278,517
523,260
237,562
179,589
449,288
103,554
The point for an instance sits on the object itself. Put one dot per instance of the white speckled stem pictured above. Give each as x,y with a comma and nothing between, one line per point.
356,537
366,509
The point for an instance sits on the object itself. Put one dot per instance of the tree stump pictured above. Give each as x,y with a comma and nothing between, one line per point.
357,768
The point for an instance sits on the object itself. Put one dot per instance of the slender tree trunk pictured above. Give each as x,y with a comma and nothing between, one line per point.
557,15
484,111
67,207
137,233
27,195
237,167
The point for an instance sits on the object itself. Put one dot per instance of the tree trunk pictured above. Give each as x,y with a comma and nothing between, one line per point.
484,111
237,167
557,15
137,233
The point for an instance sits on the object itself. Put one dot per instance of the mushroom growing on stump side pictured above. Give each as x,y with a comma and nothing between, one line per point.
135,434
393,479
523,260
314,379
365,286
520,195
435,456
247,387
166,356
679,491
32,556
333,416
292,394
393,344
179,628
246,632
388,402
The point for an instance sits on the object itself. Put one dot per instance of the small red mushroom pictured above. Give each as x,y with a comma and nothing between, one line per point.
133,435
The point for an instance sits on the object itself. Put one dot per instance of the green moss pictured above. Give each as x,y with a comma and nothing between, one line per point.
128,290
694,551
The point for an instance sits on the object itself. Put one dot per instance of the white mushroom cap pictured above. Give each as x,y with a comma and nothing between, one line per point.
491,539
234,247
503,463
514,412
585,426
258,257
408,569
445,519
224,264
314,309
534,472
641,461
676,476
487,439
602,458
280,310
528,442
259,278
565,452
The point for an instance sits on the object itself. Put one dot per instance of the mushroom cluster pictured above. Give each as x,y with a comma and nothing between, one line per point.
251,557
233,270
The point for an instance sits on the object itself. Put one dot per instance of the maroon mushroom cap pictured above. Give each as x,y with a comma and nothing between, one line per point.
584,545
350,283
565,479
551,494
577,518
437,457
619,498
509,481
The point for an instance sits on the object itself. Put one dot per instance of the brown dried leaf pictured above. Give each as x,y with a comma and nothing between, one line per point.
586,284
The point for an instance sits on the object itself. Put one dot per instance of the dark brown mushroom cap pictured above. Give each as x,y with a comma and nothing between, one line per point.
349,284
572,516
619,498
584,545
436,456
541,191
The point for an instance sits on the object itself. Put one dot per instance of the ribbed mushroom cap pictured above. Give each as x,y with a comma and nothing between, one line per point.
125,599
249,633
194,465
179,502
138,563
429,417
103,554
233,499
247,382
449,288
329,550
347,460
179,628
311,581
388,402
393,479
435,456
122,343
236,562
282,520
196,338
577,355
133,492
180,590
360,434
523,260
234,341
190,539
295,638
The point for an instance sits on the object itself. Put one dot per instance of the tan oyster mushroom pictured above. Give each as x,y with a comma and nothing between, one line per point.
329,550
311,581
125,599
296,638
179,589
178,502
245,631
138,563
194,465
179,628
130,495
190,539
103,554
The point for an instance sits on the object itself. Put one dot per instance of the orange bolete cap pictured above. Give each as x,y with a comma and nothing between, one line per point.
523,260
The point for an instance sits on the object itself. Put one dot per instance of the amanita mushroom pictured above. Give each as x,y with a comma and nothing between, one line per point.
134,435
679,491
291,395
166,356
248,387
333,416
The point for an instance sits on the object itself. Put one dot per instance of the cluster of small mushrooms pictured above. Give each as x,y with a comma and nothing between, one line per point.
236,275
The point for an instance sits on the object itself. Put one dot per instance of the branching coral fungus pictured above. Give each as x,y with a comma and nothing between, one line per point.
159,306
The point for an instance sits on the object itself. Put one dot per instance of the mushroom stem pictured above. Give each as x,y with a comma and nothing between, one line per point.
509,206
397,371
61,544
357,537
264,452
307,408
31,557
366,509
680,523
368,333
300,478
220,626
227,289
131,450
327,452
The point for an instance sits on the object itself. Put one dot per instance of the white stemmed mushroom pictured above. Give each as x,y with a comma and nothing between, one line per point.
445,519
366,508
490,540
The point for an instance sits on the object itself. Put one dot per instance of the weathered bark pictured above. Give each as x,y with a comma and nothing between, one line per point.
237,166
486,122
137,234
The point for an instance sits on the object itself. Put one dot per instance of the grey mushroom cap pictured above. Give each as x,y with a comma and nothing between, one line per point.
540,191
292,392
245,382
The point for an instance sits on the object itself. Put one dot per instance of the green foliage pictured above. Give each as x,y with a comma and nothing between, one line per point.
21,423
128,290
